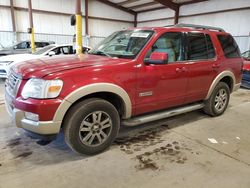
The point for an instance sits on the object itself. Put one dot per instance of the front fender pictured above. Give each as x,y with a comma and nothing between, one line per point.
90,89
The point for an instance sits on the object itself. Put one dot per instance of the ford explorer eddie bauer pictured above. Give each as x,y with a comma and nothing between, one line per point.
133,77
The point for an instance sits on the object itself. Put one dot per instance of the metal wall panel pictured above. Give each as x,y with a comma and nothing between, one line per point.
157,14
5,19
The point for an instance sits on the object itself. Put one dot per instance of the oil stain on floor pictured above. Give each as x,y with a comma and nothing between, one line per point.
141,140
159,157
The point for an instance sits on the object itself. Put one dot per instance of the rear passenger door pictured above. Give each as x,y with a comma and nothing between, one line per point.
201,58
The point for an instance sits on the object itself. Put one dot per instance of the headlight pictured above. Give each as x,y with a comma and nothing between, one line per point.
42,89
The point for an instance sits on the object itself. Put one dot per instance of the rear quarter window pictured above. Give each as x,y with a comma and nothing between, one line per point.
229,46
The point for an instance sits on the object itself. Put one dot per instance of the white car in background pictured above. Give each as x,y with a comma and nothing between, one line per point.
7,61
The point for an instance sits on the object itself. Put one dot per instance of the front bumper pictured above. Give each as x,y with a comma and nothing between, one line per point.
39,127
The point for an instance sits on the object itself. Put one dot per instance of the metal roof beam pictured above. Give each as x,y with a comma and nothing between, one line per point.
117,6
169,4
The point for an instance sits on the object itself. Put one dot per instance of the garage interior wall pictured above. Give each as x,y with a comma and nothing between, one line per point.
234,21
54,24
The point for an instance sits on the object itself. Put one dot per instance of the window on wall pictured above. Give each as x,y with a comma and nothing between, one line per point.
200,47
170,43
229,46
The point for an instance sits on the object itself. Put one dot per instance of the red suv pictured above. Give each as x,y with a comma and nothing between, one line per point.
134,76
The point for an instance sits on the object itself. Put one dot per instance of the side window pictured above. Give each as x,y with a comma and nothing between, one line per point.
22,45
45,44
57,51
229,46
210,47
39,44
170,43
65,50
197,47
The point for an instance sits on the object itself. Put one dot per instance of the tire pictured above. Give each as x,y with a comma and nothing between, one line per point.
91,126
218,101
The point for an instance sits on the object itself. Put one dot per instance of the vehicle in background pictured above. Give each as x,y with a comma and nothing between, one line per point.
50,50
246,70
23,47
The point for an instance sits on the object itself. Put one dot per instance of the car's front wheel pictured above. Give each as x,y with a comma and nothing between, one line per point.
91,126
218,101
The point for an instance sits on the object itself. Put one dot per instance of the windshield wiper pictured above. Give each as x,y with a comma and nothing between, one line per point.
99,52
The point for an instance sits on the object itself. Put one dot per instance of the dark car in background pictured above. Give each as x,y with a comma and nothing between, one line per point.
246,70
22,47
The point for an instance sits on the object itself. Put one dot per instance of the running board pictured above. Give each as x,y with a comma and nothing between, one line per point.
161,115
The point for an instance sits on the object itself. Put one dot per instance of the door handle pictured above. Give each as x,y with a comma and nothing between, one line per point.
178,70
182,69
215,65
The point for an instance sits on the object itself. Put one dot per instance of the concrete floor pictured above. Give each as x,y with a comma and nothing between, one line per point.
173,152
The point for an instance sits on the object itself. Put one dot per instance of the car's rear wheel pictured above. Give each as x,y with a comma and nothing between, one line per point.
91,126
218,101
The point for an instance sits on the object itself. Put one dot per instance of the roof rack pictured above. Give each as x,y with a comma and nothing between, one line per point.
200,27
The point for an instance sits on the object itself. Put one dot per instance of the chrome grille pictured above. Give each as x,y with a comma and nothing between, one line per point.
12,84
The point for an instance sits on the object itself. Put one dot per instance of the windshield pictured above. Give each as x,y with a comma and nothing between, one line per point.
44,49
123,44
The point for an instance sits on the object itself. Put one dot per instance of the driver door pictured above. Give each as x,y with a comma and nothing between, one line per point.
162,86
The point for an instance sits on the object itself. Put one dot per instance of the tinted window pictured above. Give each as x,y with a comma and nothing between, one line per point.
210,47
169,43
229,46
197,48
200,47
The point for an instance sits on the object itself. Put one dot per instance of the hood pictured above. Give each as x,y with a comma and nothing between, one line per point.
41,67
17,58
246,65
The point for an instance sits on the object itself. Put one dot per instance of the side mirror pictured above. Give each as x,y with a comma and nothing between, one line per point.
51,53
157,58
15,47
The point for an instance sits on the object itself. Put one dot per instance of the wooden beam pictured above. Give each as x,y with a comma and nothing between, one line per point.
169,4
135,20
87,17
117,6
12,16
176,16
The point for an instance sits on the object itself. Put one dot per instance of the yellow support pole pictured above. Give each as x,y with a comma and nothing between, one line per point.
78,33
32,33
32,40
